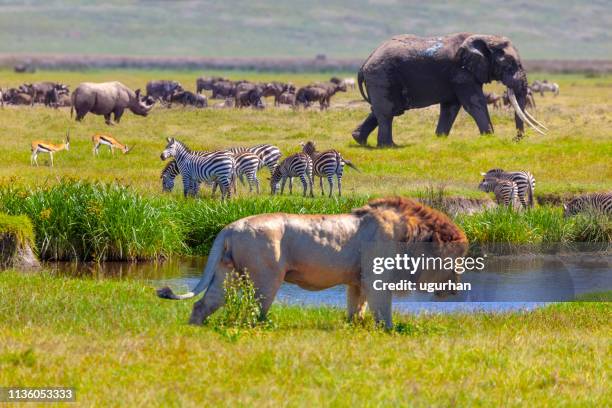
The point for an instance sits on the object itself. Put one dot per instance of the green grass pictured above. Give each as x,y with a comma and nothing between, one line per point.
561,29
574,157
118,344
18,226
98,221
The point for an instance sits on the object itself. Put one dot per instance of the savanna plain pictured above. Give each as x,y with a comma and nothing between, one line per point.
118,344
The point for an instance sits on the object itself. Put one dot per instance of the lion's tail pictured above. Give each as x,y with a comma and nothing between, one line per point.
217,252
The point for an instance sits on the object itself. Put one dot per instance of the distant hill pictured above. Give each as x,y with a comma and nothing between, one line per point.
563,29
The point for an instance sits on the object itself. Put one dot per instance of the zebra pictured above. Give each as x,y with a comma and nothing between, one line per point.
327,164
269,154
524,180
216,167
247,164
599,202
296,165
506,191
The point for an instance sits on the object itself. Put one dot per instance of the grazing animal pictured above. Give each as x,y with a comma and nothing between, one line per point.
108,98
268,154
525,182
307,95
317,252
287,98
189,98
247,164
112,143
276,89
506,191
493,99
327,164
41,146
19,98
598,202
248,94
296,165
545,86
171,171
223,89
206,83
163,89
216,167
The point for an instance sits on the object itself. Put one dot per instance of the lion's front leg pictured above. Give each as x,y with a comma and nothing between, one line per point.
356,302
379,302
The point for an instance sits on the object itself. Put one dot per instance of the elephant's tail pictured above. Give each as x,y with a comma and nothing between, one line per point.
219,251
360,81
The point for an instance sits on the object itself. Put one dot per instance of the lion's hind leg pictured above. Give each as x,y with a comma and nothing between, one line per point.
212,300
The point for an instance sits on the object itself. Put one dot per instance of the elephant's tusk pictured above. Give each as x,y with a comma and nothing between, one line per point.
534,120
520,113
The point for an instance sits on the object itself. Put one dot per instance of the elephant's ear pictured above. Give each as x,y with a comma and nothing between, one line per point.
474,56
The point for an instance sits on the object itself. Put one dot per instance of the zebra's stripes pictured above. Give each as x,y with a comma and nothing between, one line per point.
599,202
247,164
506,191
269,154
171,171
327,164
215,167
296,165
524,180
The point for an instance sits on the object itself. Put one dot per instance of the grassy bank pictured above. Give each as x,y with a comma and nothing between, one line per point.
98,221
573,157
118,344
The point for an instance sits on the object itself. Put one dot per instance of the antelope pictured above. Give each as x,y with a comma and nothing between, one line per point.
41,146
109,141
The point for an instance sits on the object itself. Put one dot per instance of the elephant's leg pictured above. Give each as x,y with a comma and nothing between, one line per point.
475,103
211,301
379,302
361,133
356,302
448,114
385,130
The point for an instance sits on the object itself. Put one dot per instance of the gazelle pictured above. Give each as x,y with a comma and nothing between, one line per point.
41,146
109,141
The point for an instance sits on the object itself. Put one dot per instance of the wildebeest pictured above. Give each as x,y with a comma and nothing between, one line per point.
45,92
206,83
248,94
319,91
494,99
287,98
163,89
24,68
189,98
276,89
223,89
108,98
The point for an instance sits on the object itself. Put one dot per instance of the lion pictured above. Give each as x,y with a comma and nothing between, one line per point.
317,252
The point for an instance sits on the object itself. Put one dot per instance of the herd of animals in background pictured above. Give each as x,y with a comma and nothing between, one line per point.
223,168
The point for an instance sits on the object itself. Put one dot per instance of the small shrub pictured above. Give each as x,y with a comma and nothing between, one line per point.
242,308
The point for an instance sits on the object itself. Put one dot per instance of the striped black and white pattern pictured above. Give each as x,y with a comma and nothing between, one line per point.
269,154
506,191
598,202
247,164
171,171
524,180
216,167
296,165
327,164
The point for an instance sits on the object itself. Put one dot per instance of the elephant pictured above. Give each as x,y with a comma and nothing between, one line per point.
108,98
408,72
321,251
